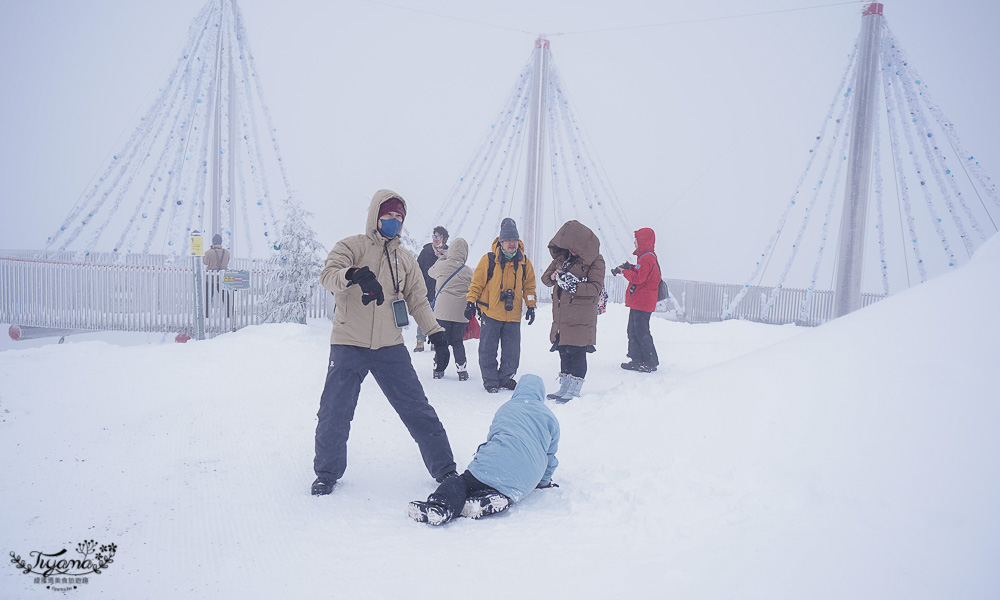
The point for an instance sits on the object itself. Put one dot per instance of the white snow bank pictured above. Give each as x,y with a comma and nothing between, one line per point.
854,460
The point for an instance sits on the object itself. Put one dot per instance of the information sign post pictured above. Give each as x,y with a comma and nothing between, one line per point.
197,251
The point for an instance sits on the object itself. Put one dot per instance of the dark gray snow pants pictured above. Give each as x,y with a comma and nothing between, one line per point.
507,336
393,371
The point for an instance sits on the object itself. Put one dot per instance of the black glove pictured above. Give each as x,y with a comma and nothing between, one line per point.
616,271
625,266
529,316
437,339
550,485
470,310
371,289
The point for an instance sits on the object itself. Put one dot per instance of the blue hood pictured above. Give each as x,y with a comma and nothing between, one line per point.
530,386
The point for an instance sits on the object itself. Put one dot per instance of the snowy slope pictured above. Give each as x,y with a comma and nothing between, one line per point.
855,460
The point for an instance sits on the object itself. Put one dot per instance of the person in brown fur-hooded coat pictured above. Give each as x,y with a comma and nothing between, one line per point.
576,275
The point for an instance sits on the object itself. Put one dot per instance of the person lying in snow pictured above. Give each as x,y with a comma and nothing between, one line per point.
518,456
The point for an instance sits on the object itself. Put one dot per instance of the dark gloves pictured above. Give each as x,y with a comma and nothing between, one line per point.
371,289
470,310
529,316
437,339
549,485
622,267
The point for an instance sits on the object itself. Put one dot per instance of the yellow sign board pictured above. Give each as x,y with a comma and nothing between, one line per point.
197,245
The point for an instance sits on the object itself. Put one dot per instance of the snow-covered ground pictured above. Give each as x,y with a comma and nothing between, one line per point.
859,459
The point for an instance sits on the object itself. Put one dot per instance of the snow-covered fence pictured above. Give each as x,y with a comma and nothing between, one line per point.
156,293
702,302
108,292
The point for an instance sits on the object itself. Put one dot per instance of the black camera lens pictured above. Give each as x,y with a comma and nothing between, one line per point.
508,299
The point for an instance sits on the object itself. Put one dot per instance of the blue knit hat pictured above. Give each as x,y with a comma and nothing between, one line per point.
508,230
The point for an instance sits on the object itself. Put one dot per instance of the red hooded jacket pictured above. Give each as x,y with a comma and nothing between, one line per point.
644,280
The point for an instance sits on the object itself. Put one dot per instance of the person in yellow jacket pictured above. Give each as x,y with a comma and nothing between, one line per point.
376,283
503,283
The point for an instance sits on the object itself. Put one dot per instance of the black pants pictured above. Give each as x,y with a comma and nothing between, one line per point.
453,332
640,341
391,367
454,490
496,334
210,291
573,360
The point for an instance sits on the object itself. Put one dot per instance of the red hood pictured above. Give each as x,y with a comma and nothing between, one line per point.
646,241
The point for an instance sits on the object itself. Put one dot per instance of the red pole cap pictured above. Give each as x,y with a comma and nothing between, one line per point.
875,8
542,43
14,332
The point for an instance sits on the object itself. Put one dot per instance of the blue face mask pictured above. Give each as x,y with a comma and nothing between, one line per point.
390,227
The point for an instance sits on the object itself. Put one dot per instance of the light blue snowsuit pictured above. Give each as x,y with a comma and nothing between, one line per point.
520,450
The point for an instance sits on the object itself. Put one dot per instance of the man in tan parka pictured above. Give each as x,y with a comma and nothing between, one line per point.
503,282
368,274
216,259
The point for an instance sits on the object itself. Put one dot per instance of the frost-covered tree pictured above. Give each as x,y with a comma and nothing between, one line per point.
299,261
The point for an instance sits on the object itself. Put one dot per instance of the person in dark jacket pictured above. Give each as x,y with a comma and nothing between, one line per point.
576,275
644,282
369,275
431,252
519,455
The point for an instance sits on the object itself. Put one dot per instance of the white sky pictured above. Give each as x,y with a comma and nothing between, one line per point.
702,125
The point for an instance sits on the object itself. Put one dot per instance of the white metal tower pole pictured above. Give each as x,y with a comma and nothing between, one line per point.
233,107
216,161
859,166
536,146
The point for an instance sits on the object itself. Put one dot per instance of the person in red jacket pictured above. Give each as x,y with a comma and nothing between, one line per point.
644,282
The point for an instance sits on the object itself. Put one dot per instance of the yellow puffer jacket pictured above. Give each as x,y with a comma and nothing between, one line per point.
373,326
515,274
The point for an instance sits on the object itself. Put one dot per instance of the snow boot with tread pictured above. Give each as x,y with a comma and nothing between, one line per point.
485,503
431,512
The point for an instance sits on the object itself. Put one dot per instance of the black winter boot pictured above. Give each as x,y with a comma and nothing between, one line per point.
322,487
432,512
484,503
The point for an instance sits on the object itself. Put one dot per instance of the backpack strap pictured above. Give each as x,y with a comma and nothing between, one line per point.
444,284
654,258
493,263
